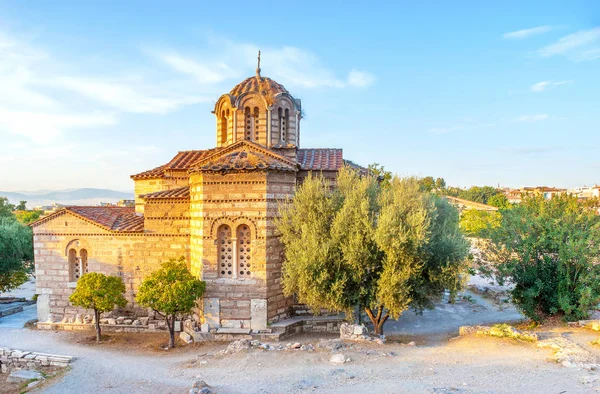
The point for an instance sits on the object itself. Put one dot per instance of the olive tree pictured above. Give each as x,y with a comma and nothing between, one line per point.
169,291
360,246
99,292
16,249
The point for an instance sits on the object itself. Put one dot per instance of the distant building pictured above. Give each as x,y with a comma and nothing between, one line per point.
585,192
126,203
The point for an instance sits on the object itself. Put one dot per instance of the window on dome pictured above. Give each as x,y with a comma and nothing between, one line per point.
223,126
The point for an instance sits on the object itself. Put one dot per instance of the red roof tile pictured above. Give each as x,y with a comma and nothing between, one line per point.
320,159
182,161
252,84
181,192
122,219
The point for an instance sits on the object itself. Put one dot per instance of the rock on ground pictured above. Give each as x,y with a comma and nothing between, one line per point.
23,376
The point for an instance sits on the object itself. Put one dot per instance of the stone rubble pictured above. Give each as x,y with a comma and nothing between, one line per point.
14,360
200,387
358,333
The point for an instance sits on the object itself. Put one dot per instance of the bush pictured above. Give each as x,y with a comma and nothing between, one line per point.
549,250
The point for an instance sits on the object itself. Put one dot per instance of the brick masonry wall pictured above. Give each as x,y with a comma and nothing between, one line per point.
167,216
130,256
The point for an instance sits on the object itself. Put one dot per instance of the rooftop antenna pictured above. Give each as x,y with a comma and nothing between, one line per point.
258,68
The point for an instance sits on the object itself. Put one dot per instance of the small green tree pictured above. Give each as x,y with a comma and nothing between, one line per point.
361,246
98,292
27,217
549,250
16,248
169,291
499,201
6,208
22,206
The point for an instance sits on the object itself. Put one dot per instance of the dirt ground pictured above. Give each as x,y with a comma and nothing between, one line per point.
129,363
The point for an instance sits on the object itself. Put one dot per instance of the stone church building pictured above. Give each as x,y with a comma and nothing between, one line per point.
216,207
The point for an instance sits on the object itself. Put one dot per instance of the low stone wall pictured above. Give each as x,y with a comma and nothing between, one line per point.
104,327
310,324
13,360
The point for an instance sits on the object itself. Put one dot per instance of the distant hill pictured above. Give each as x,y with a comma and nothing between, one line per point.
86,196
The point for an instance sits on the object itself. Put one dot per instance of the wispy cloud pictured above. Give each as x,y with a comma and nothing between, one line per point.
546,85
532,118
42,127
520,34
125,98
580,46
291,66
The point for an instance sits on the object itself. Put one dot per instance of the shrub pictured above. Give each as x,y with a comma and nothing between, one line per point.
549,250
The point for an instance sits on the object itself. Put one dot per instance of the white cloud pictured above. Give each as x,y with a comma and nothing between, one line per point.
519,34
123,97
360,79
546,85
200,72
580,46
229,60
42,127
531,118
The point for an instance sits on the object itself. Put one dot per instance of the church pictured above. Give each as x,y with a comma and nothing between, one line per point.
215,207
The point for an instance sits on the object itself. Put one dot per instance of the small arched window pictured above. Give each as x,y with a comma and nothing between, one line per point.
244,263
256,122
284,126
223,126
249,123
78,265
225,252
84,261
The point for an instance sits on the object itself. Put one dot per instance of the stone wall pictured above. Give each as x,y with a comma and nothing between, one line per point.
129,256
13,360
171,180
167,216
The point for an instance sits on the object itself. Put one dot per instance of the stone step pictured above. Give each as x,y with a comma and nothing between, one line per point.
224,330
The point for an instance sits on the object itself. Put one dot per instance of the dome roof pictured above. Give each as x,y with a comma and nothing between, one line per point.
258,84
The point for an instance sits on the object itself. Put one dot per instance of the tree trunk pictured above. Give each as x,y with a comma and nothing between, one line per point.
377,320
171,326
97,317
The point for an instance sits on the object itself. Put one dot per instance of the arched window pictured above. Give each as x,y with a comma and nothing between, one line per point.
284,126
83,261
280,122
223,125
78,265
244,264
249,124
256,121
74,272
225,252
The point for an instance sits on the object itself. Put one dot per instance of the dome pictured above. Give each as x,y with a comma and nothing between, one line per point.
258,84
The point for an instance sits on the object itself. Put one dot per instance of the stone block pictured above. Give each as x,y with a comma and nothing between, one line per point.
258,314
212,312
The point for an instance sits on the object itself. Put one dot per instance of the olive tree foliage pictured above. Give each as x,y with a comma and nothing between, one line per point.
98,292
16,249
549,250
360,246
170,291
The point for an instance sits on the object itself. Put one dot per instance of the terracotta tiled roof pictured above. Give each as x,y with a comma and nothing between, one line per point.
252,85
320,159
181,192
182,161
122,219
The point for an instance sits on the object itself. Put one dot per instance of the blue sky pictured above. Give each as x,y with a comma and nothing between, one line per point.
477,93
